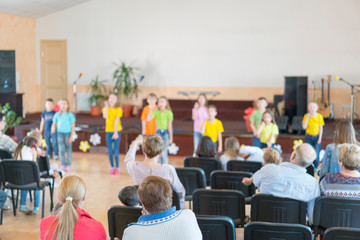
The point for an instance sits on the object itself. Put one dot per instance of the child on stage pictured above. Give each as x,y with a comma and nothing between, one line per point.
268,130
112,112
213,128
313,122
149,127
256,119
199,115
45,127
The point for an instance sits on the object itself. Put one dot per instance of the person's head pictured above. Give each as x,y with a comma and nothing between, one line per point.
272,156
202,100
163,103
71,194
36,134
155,195
303,156
113,100
261,103
313,107
2,121
349,156
151,99
49,104
232,147
344,132
268,117
128,196
152,145
212,111
28,141
206,147
64,105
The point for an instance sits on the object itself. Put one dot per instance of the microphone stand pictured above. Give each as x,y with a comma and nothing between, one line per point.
353,86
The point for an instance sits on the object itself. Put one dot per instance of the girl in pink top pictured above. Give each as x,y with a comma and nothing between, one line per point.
199,115
71,222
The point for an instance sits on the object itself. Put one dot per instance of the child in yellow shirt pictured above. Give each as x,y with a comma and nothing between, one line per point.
213,128
313,122
268,130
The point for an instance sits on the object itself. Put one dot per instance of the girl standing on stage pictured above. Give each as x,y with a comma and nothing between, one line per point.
64,124
164,125
268,130
112,112
199,115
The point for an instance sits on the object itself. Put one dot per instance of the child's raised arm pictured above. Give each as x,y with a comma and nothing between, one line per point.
262,125
150,116
305,123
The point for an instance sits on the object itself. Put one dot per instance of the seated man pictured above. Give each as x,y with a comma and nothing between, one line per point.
160,221
289,179
6,142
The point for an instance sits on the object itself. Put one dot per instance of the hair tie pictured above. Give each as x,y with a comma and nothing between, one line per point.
34,144
69,198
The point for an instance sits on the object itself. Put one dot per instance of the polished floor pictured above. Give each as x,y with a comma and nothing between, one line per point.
102,190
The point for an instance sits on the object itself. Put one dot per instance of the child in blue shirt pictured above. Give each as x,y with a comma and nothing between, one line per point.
45,127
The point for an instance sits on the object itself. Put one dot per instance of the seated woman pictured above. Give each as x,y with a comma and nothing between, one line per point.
160,221
152,146
206,147
346,183
71,222
232,147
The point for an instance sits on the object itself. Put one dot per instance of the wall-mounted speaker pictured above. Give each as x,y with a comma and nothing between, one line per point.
7,71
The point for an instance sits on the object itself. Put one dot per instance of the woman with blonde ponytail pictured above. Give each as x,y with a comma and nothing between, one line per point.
71,222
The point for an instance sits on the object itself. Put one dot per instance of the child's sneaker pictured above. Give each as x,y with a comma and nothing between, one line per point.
116,171
25,210
33,212
68,168
56,157
62,167
111,171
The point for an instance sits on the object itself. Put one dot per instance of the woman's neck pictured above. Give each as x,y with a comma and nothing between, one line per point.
350,173
152,162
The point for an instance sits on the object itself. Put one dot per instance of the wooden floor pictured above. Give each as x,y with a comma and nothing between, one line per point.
102,191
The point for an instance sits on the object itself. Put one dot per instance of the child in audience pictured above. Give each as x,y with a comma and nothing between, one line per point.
199,115
149,127
164,124
271,156
26,150
232,147
45,127
112,112
256,119
313,122
213,128
64,125
6,142
128,196
71,222
268,130
252,153
152,146
206,148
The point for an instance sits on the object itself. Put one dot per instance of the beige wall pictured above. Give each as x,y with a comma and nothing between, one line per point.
18,33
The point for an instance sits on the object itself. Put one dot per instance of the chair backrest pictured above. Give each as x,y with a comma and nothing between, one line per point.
282,122
176,199
221,179
5,154
207,164
119,217
336,212
243,166
216,227
342,234
44,164
296,123
19,172
191,178
229,203
279,231
311,170
268,208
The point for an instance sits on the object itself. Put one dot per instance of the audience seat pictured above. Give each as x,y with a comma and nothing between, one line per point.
216,227
243,166
342,234
119,217
207,164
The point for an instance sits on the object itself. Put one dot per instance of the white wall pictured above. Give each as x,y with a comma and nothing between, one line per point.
246,43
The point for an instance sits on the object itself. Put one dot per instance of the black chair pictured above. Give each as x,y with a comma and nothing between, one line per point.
5,154
335,212
243,166
229,203
44,168
191,178
268,208
279,231
311,170
296,124
119,217
1,215
342,233
233,180
23,175
176,199
216,227
282,123
207,164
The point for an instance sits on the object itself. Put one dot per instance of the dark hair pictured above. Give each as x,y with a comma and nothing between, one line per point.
28,141
206,147
49,100
2,115
128,196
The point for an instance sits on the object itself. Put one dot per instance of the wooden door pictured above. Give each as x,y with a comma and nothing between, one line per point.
53,60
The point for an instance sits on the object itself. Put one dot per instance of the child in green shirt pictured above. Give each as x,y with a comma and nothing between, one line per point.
256,119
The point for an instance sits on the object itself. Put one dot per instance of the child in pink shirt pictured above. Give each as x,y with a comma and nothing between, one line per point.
199,115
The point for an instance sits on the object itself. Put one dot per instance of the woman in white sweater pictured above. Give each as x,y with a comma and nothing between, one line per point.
152,147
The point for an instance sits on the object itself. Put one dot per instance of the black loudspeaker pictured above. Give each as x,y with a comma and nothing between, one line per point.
295,96
7,71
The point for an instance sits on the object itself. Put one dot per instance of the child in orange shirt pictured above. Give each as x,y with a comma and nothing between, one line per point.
149,127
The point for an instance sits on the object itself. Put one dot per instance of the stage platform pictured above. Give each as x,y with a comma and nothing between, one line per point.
183,132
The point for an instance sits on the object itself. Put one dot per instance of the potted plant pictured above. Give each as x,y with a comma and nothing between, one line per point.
97,90
126,82
11,119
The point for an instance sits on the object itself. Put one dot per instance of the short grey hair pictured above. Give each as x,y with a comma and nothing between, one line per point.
305,155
